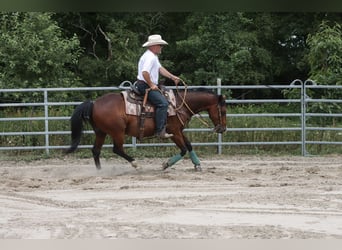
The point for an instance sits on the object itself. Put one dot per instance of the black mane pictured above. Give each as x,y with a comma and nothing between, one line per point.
201,89
194,90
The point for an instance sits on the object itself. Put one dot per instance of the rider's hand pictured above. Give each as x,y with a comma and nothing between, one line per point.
176,79
154,87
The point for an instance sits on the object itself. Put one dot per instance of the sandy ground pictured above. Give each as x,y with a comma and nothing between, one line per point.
232,198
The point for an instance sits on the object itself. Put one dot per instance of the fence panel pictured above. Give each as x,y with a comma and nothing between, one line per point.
303,101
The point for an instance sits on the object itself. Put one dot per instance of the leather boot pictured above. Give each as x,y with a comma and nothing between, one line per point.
163,135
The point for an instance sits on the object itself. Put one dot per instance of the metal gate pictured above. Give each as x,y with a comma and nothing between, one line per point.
303,101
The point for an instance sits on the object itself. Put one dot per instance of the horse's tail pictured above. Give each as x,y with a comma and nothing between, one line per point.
82,113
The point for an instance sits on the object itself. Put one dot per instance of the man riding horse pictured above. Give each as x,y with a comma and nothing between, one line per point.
149,68
107,114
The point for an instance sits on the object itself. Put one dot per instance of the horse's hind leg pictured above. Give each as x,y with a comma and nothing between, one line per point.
100,138
118,149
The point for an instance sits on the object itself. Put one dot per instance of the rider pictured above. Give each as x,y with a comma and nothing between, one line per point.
149,69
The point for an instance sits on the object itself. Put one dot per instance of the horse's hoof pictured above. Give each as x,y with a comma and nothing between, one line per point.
135,165
198,168
165,165
98,167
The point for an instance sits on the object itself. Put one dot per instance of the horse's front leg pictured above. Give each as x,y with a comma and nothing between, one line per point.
193,155
178,139
184,144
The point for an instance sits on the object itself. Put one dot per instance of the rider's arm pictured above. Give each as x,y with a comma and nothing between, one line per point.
166,73
148,80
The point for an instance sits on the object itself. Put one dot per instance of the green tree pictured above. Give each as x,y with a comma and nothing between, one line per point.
325,61
33,52
223,45
325,54
111,48
288,45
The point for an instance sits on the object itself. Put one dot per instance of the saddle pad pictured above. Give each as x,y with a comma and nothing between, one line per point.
134,107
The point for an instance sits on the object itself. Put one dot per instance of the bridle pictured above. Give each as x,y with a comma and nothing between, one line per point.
219,128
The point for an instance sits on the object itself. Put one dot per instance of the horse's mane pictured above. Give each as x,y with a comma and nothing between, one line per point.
199,89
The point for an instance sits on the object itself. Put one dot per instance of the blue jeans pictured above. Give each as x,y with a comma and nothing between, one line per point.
158,100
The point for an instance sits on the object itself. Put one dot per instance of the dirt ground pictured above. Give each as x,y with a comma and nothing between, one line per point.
235,197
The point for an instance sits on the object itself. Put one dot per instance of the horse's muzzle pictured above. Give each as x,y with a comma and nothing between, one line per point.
220,129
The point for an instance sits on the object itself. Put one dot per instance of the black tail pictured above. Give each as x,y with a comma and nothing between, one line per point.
83,112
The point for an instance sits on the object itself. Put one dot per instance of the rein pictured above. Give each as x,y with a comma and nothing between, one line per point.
184,103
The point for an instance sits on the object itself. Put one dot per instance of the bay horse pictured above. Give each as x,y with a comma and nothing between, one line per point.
107,116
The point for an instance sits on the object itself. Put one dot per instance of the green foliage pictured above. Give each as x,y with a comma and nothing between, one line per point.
102,49
224,45
325,60
113,55
33,52
325,54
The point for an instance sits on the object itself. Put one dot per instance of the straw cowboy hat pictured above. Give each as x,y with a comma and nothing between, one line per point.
154,40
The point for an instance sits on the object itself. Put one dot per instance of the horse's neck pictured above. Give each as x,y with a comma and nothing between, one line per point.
197,101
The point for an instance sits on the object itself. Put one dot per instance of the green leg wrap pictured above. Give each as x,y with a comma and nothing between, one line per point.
194,158
174,159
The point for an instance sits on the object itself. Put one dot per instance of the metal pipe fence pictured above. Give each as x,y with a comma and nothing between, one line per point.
301,103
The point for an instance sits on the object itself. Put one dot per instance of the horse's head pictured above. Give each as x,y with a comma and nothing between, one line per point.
217,114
